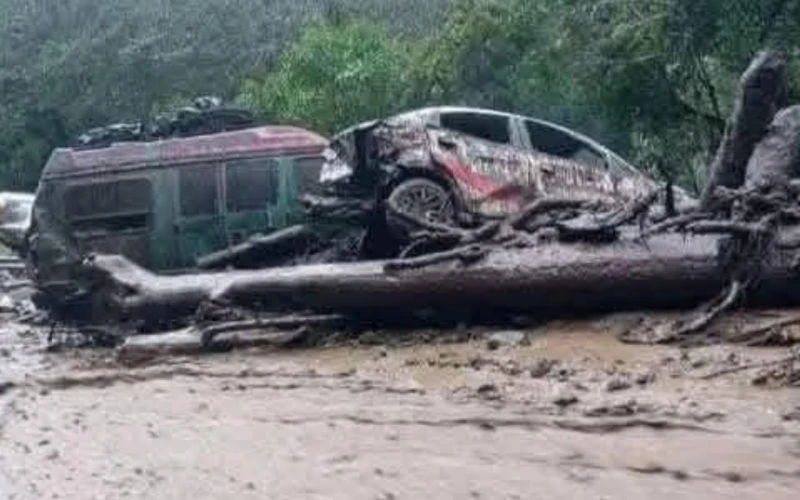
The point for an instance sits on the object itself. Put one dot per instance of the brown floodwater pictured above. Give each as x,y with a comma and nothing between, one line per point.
571,413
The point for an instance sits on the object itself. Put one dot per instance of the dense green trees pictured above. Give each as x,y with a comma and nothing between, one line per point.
652,79
335,74
69,65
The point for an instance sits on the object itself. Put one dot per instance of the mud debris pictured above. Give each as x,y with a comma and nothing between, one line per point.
6,387
619,383
505,339
566,400
541,368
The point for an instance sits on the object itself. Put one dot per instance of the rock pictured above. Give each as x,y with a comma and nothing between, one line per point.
565,400
5,387
645,378
579,386
489,392
6,303
792,416
487,389
625,409
732,476
476,363
371,338
699,363
680,475
618,384
542,368
505,339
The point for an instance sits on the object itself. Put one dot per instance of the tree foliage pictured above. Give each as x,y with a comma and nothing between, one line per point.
334,75
653,80
69,65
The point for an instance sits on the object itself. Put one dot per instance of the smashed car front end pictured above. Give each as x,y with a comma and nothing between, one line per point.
360,162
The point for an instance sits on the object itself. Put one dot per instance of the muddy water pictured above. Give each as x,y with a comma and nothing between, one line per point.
572,413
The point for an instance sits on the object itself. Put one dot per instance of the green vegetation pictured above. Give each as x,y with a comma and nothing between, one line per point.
334,75
654,80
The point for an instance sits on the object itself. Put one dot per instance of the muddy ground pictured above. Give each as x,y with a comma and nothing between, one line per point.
565,412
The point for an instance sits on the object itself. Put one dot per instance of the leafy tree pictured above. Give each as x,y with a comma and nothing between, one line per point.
654,80
97,63
334,75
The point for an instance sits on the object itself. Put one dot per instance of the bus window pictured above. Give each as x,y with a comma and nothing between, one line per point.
251,184
198,190
111,206
306,171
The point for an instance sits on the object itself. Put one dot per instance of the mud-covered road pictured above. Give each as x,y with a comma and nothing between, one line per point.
570,413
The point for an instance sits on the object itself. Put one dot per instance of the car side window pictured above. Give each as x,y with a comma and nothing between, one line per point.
494,128
554,142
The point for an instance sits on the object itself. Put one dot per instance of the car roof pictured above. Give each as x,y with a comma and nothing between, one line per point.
430,110
132,155
494,112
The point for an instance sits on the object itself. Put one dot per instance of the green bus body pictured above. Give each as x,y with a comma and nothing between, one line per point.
163,204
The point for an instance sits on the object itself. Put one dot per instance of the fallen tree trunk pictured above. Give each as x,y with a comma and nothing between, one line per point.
260,249
670,271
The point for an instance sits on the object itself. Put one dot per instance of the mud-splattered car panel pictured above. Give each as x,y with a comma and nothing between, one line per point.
487,178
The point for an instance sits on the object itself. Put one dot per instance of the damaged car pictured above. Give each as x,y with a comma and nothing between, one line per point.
463,165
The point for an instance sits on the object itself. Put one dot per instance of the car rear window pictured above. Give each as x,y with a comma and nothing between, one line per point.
557,143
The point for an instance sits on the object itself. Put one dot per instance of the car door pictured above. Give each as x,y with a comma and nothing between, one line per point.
484,161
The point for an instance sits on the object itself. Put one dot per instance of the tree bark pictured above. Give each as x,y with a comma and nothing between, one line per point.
259,250
761,93
670,271
776,159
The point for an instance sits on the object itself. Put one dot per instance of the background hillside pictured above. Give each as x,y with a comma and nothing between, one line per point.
654,80
71,64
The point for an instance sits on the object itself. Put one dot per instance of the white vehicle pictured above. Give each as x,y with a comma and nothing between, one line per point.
15,217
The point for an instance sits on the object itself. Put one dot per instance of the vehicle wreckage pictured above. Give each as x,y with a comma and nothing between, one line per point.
518,231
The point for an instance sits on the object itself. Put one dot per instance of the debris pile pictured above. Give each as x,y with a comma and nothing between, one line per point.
554,256
207,115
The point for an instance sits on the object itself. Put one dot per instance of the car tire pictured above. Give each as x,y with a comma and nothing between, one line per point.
422,198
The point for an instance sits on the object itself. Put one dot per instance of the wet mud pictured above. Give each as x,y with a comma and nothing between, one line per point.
563,410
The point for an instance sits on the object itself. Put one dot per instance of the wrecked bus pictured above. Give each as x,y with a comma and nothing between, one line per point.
164,204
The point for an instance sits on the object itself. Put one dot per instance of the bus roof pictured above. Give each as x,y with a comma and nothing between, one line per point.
273,140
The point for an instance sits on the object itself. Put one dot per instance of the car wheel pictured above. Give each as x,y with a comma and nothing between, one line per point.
422,198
